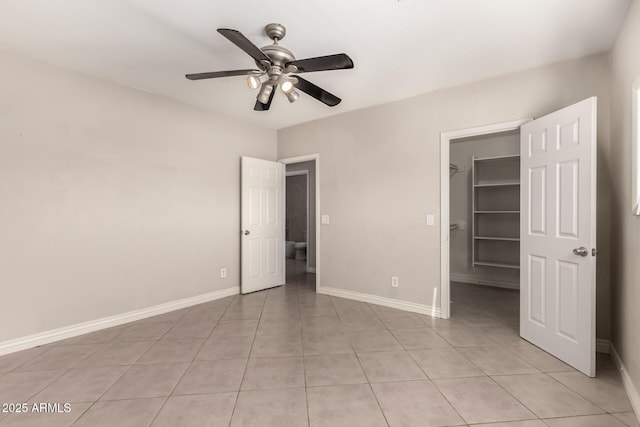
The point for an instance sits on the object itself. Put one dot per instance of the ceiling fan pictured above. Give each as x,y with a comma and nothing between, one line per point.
278,67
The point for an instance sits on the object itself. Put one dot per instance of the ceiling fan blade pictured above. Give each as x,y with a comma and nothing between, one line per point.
340,61
317,92
265,107
215,74
237,38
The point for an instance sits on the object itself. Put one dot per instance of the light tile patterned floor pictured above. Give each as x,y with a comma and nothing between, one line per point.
291,357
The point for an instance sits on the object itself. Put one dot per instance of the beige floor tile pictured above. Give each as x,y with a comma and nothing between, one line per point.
273,372
495,360
236,312
308,311
18,387
415,403
205,410
401,320
100,337
465,337
121,413
374,341
503,334
14,360
190,328
440,324
606,390
226,348
279,326
143,381
271,408
212,376
322,325
350,307
333,369
165,351
289,312
47,419
199,313
585,421
326,344
478,319
527,423
231,328
277,345
445,363
59,357
390,366
81,385
546,397
605,362
540,358
117,354
255,299
628,418
344,405
361,322
480,400
419,338
144,332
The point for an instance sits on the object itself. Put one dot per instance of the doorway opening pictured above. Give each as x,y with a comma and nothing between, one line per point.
484,226
301,214
473,161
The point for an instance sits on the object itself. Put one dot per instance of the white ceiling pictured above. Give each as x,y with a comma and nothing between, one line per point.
400,48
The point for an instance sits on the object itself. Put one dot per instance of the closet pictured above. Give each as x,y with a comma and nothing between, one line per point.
496,211
485,210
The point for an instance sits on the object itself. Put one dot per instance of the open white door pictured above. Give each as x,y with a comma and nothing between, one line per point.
262,222
558,234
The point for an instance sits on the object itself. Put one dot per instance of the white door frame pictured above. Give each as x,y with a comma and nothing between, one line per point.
306,177
445,144
316,158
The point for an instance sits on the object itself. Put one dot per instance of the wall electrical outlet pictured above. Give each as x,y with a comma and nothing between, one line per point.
223,273
394,281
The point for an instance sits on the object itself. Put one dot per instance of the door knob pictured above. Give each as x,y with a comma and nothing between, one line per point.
582,251
247,232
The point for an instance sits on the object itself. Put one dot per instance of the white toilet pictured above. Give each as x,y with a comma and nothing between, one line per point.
290,249
301,251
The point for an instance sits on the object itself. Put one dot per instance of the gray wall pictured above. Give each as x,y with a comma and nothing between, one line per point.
309,166
460,209
625,59
380,175
112,199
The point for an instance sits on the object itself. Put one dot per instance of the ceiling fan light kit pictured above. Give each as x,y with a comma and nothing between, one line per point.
277,66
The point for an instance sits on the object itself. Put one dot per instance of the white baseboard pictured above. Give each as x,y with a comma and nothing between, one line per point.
387,302
632,391
71,331
603,346
484,282
311,270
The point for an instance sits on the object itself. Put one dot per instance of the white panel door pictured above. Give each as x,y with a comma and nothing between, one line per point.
262,222
558,234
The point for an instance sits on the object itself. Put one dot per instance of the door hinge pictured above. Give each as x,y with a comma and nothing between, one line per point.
594,252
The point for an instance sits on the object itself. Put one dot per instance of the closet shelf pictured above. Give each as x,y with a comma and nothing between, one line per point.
496,264
494,159
497,212
495,198
496,184
505,239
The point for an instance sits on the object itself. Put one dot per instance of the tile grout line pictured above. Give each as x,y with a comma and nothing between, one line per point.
195,354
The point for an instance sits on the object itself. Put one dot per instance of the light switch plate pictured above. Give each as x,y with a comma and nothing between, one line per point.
325,219
430,219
